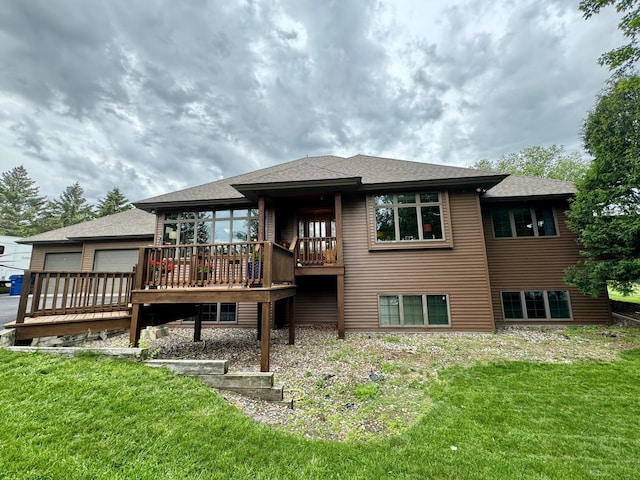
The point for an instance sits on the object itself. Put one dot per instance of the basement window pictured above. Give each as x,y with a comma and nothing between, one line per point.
413,310
220,312
536,305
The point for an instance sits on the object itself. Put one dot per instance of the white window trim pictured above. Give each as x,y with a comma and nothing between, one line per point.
547,309
395,205
424,310
512,223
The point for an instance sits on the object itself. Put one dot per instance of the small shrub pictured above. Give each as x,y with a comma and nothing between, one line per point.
365,392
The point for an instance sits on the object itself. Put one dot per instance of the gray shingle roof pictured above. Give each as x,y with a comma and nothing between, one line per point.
370,170
520,187
133,223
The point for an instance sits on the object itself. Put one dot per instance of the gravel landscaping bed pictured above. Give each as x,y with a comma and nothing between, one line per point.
373,384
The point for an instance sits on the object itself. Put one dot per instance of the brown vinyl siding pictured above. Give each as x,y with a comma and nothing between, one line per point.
538,263
460,272
316,300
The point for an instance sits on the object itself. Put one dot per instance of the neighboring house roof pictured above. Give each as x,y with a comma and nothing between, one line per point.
360,172
132,223
518,187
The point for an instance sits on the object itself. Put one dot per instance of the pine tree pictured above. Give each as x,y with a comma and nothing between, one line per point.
70,208
20,204
606,212
114,202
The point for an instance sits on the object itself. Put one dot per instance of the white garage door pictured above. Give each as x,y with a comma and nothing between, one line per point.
115,260
64,262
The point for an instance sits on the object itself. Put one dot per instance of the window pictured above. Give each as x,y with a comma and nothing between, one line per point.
524,222
536,305
408,217
413,310
218,313
221,226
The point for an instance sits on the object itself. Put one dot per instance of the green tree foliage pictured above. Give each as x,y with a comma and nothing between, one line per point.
621,60
606,212
549,162
68,209
20,204
114,202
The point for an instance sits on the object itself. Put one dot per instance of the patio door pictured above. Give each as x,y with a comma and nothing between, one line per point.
317,233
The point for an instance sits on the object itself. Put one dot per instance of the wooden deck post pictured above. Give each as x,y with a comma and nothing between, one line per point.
134,329
24,296
292,321
197,327
340,261
265,341
259,322
340,289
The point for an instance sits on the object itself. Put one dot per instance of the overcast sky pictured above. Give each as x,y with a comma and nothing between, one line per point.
155,96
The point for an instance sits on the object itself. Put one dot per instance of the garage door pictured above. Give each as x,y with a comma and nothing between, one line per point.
115,260
64,262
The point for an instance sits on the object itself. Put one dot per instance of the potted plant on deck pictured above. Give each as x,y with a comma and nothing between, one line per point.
160,268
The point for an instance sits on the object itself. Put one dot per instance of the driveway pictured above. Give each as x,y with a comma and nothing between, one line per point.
8,308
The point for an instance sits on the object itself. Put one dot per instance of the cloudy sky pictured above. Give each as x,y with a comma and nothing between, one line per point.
158,95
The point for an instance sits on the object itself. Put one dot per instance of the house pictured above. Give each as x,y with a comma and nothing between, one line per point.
362,243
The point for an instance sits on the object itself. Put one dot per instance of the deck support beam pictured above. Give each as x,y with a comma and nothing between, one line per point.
136,326
292,320
265,341
340,293
197,326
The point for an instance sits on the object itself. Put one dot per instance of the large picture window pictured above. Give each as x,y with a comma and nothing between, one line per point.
220,226
408,217
536,305
411,310
524,222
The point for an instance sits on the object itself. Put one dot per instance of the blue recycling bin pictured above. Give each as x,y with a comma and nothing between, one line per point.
16,284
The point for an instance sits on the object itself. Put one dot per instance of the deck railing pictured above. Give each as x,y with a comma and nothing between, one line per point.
247,264
316,250
63,293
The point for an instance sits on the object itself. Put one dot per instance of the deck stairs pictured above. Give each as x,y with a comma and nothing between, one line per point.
215,373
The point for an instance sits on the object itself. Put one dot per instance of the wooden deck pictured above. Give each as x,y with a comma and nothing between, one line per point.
69,324
169,280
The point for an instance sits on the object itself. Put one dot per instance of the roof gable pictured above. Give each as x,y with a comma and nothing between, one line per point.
519,187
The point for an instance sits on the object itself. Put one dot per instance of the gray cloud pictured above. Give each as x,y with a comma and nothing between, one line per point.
157,95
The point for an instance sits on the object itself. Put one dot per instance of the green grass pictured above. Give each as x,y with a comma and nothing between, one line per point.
634,297
102,419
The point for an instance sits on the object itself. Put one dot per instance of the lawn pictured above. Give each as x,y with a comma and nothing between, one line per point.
634,297
103,419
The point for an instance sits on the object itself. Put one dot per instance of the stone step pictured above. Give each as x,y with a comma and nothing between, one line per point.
230,381
272,394
131,353
193,367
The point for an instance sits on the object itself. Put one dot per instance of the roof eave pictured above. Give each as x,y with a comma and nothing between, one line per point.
113,237
524,198
152,207
483,182
254,190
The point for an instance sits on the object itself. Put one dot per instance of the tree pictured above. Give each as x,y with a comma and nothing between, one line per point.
550,162
20,204
114,202
606,212
70,208
621,60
